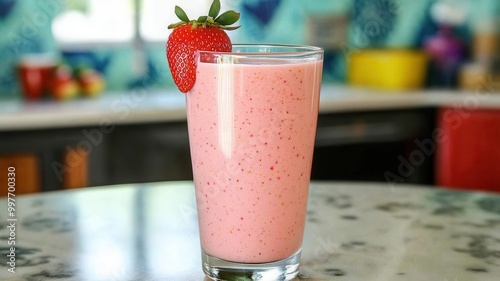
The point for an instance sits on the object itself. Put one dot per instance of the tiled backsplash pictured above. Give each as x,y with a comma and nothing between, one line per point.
25,27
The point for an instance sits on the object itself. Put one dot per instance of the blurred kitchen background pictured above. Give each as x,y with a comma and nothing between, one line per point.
62,59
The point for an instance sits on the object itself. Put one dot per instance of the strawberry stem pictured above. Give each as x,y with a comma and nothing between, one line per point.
213,19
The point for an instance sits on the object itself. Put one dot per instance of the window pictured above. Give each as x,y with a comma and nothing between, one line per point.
95,21
114,21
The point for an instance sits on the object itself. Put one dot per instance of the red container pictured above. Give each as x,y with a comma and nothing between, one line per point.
468,155
35,73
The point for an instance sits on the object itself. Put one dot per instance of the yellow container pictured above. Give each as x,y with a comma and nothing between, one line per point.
391,69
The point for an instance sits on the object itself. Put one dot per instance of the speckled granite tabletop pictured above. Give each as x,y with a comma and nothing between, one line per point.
354,231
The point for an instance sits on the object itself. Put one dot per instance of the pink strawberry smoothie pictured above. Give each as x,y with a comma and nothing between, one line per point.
251,133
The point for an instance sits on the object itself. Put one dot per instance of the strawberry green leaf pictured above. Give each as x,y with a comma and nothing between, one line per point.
228,18
228,27
181,14
214,9
202,19
175,25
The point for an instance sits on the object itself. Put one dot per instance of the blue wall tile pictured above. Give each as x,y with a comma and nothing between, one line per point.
25,27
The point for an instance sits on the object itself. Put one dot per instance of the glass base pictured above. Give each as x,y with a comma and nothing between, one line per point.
221,270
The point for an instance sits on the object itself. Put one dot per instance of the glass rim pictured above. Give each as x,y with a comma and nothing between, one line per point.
291,50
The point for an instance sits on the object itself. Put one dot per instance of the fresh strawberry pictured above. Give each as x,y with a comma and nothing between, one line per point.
204,34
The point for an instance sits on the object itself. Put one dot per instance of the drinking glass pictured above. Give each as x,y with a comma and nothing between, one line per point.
252,117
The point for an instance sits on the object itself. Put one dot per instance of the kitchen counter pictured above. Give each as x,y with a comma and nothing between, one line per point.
165,106
354,231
